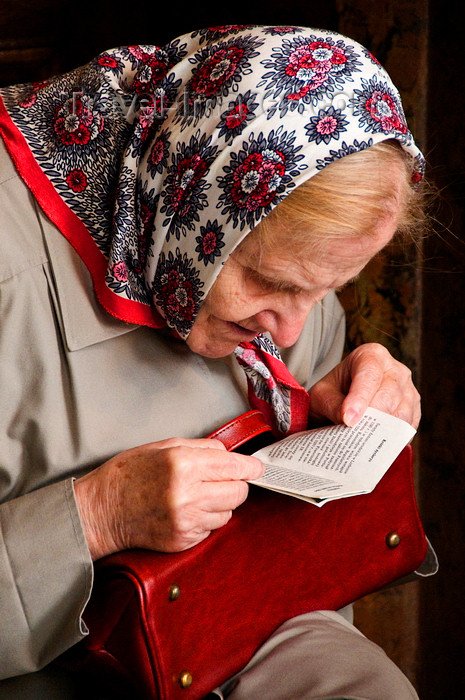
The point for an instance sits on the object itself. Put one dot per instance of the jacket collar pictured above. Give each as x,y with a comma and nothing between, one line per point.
84,322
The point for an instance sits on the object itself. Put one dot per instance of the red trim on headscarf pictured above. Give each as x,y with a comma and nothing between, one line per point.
72,228
299,398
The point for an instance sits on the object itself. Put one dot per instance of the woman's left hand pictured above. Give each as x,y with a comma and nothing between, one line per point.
369,376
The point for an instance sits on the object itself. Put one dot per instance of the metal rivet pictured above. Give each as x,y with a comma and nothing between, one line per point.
174,592
185,679
392,539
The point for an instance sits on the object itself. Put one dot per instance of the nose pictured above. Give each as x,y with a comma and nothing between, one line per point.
285,324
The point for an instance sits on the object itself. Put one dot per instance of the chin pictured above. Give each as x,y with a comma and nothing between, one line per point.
214,353
211,349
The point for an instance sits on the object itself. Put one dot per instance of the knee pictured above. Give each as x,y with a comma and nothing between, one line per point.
321,656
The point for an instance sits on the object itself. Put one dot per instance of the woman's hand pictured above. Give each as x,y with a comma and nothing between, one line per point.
369,376
165,496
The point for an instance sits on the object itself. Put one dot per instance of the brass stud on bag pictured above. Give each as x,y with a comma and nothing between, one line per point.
392,540
174,592
185,679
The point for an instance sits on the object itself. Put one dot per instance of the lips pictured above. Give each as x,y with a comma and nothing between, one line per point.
245,333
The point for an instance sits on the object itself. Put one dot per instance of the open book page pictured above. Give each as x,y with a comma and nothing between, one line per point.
335,461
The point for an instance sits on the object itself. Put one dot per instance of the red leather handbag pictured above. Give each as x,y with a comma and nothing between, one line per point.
178,625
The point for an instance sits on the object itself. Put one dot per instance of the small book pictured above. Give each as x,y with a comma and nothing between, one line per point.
336,461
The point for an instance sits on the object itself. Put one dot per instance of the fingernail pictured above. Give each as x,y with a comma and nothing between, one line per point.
350,417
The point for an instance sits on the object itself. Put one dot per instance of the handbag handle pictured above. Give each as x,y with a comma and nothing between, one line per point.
243,431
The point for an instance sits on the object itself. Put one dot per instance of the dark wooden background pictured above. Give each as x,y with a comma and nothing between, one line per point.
416,308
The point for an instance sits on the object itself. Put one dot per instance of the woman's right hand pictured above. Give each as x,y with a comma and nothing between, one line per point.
165,496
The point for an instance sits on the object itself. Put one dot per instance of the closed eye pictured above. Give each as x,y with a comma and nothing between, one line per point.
271,285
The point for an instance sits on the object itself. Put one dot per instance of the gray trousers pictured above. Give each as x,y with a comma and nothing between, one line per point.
316,656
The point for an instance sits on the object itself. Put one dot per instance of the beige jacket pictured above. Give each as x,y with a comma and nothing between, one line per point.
76,387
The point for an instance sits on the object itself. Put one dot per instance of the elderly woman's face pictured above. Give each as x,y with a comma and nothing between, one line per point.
255,293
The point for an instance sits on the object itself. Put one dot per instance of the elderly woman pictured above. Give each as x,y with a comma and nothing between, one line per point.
170,218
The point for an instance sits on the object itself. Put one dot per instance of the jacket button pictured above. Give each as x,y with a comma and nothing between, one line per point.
392,539
174,592
185,679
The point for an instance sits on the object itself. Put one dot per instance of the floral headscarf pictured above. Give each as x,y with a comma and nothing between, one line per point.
156,162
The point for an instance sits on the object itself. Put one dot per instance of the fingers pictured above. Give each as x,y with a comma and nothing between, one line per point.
221,496
205,443
369,384
212,465
182,538
233,467
326,400
380,381
205,488
410,409
397,396
369,376
188,491
206,496
207,507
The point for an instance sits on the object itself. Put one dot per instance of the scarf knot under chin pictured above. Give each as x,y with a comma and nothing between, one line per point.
271,387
